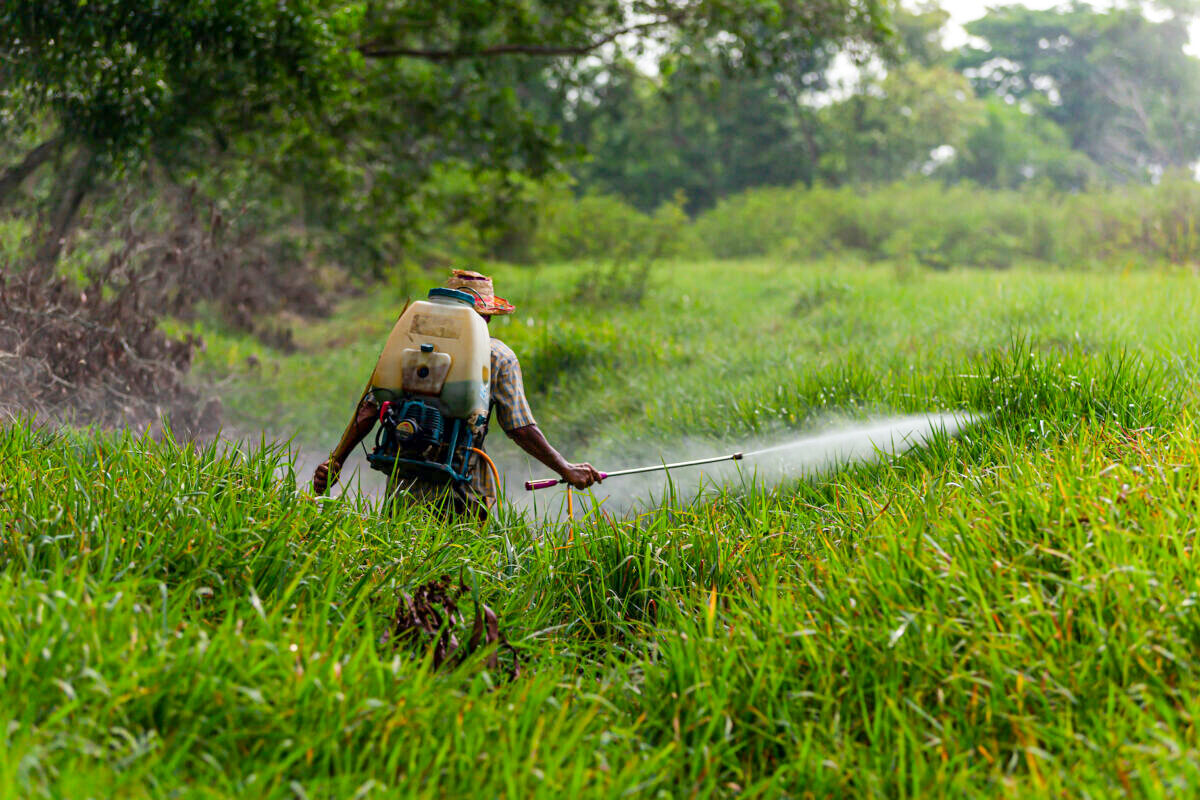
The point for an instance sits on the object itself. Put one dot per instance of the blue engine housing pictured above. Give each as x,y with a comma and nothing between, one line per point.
417,440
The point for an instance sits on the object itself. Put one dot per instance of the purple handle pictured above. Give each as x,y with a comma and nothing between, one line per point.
546,483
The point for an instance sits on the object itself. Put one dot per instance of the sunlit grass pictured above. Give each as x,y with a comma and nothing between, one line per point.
723,349
1009,612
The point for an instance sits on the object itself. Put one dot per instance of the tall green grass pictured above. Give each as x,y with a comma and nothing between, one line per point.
981,616
1008,612
725,351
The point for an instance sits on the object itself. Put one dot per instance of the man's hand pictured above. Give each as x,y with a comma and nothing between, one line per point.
581,476
530,439
320,480
364,419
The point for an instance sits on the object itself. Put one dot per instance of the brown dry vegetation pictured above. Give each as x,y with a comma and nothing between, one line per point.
91,350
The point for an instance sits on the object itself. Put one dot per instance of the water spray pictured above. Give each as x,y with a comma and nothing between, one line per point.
546,483
862,442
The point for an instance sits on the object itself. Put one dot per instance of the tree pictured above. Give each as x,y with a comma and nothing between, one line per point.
1118,83
116,81
919,35
352,110
692,132
892,127
1010,147
708,133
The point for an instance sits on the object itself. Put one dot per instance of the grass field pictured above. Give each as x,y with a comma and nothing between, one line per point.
1011,612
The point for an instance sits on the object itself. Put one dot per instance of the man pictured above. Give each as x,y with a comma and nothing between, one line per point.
511,409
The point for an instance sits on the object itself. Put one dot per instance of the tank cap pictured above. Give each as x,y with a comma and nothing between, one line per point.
453,294
426,348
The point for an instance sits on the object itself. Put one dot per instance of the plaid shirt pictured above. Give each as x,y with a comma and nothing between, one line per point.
508,389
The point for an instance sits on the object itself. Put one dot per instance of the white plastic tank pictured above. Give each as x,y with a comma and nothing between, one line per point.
441,348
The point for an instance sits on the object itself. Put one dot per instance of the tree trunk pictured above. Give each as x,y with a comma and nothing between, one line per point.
15,175
810,144
68,195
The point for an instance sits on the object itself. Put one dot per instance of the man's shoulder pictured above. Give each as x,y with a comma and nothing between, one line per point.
501,351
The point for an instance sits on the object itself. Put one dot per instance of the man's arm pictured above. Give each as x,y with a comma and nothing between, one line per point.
531,439
356,431
516,418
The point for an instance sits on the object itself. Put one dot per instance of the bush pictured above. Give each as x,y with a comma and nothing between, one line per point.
940,225
605,228
923,221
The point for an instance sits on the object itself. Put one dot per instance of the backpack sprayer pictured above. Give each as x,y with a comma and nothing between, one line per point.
432,387
546,483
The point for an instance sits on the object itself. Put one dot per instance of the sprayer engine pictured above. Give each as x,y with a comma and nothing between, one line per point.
411,427
417,439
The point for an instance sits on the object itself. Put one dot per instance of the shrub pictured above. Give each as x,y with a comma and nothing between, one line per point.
605,228
939,225
923,221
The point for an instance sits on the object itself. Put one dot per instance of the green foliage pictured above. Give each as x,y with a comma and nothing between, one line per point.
1060,97
961,225
691,133
384,135
626,277
1117,82
686,131
891,128
623,244
690,129
1010,148
126,78
604,228
370,127
919,34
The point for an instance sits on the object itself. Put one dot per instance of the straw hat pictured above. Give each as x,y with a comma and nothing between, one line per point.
486,302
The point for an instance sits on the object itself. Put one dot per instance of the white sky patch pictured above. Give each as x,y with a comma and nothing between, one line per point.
943,154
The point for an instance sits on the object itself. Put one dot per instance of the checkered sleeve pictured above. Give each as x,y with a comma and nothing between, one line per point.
508,389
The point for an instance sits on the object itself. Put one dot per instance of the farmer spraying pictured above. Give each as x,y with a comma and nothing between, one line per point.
440,377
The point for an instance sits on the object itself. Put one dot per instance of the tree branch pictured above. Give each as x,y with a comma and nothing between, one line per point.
12,177
377,50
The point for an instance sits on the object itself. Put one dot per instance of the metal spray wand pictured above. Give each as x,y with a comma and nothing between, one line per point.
546,483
